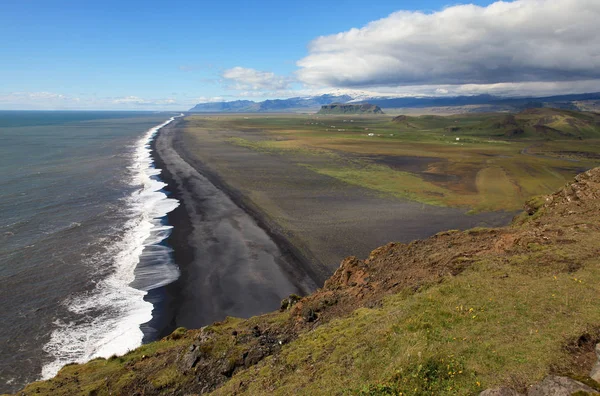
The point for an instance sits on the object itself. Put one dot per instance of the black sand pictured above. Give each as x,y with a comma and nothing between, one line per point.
253,227
229,265
324,218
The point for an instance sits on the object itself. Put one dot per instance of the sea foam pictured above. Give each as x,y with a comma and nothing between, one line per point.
106,320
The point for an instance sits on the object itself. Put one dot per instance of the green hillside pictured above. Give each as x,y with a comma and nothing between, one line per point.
544,123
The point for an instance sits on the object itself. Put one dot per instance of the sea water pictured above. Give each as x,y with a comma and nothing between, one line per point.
82,215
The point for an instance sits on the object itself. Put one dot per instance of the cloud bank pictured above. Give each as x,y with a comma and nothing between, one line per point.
241,78
58,101
506,42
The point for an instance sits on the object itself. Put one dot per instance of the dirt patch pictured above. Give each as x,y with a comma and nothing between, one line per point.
581,355
403,163
577,154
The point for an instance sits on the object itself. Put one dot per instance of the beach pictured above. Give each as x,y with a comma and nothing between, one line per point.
252,228
229,265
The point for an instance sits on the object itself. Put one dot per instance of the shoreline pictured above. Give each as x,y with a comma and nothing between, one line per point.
300,255
195,183
164,298
184,302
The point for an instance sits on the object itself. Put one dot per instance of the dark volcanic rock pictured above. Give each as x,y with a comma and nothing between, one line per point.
340,108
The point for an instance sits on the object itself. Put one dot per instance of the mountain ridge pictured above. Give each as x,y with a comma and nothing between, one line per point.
270,105
313,103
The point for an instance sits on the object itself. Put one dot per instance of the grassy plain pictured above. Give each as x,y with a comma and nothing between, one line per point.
331,193
451,161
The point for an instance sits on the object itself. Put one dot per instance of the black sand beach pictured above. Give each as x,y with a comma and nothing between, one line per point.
229,265
252,228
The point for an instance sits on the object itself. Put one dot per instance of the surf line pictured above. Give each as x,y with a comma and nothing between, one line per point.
105,321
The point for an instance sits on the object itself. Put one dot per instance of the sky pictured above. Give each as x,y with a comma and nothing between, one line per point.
159,55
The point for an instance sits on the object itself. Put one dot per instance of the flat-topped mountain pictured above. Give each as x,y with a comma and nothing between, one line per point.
341,108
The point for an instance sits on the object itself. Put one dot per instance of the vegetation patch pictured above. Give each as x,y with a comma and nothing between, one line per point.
481,165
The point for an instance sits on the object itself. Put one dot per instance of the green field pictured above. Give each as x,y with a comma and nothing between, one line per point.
482,162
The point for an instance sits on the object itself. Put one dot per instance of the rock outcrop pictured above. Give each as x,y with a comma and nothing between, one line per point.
339,108
560,386
595,373
502,391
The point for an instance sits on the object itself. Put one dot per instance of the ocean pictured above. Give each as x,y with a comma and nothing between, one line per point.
82,230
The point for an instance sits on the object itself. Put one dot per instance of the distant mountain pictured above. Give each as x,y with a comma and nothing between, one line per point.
587,101
342,108
218,107
559,101
276,105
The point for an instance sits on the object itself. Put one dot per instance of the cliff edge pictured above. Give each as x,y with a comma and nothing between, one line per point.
456,313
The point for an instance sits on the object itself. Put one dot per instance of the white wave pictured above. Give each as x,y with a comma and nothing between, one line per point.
108,318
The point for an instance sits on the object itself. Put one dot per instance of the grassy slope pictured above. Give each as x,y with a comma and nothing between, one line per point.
480,163
453,314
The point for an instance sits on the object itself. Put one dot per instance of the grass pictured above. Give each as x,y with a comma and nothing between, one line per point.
487,172
380,178
449,339
110,376
495,188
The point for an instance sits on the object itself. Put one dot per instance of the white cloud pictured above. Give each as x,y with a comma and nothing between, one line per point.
505,42
130,99
242,78
538,88
37,100
211,99
42,95
500,89
141,101
58,101
32,96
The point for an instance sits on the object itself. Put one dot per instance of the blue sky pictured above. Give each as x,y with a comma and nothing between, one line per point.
170,55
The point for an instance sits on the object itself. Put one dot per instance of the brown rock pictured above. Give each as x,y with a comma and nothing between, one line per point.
254,356
595,373
502,391
554,385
